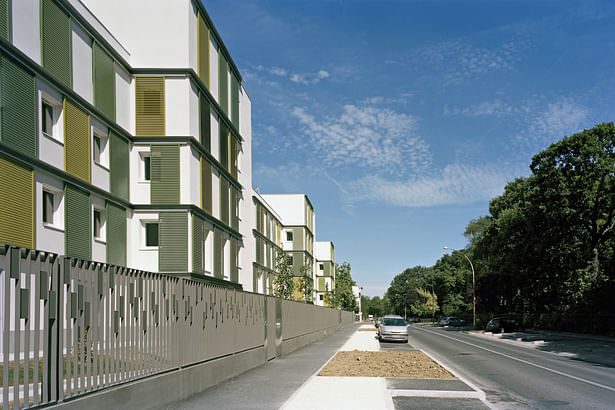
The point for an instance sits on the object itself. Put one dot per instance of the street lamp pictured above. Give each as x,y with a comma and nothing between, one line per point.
473,284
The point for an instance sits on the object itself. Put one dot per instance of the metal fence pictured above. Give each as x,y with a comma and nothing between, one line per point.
71,327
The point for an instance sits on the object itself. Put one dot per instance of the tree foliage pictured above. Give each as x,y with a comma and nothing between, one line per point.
306,283
283,281
342,296
427,303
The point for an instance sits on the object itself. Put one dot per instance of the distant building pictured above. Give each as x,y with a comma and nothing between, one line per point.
325,271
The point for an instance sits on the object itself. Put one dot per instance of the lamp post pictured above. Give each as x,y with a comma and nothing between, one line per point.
473,283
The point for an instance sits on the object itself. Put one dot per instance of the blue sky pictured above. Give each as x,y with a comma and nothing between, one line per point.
402,119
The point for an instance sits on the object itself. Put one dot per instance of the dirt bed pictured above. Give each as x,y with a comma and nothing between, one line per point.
357,363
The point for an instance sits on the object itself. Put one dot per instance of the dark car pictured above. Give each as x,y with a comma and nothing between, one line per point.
501,325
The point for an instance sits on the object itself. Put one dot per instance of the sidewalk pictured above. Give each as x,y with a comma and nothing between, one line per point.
291,382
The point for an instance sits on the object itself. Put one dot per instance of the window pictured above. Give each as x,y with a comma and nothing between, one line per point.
51,113
97,148
99,223
146,166
289,236
48,207
321,266
321,296
290,260
47,118
151,234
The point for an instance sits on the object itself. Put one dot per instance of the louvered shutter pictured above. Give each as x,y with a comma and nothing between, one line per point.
223,82
223,146
18,108
119,166
173,247
116,235
233,155
56,41
164,184
224,200
203,51
4,19
206,186
77,223
76,141
234,100
197,244
150,106
104,81
205,123
16,203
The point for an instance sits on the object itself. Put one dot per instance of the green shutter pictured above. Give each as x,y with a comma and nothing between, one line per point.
203,51
218,253
233,155
77,223
4,19
234,251
235,100
150,106
173,247
18,108
119,166
321,284
165,174
197,244
205,123
104,81
76,141
224,196
16,203
56,41
116,234
223,82
206,186
223,145
234,208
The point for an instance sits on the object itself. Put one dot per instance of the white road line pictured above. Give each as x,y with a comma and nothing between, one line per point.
526,362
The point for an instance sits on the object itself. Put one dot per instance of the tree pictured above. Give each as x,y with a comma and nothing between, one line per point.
402,292
426,305
343,297
306,283
283,281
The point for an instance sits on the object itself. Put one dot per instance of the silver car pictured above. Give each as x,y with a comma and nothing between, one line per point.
393,327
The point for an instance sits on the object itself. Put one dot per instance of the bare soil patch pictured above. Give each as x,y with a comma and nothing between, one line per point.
385,364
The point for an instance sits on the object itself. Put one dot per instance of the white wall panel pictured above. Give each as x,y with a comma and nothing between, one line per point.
25,35
48,238
177,102
213,68
99,246
82,62
124,101
139,188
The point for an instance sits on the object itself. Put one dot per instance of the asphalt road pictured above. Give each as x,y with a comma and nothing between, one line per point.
517,377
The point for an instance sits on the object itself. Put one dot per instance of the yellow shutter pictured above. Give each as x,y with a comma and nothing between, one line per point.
16,203
150,106
76,141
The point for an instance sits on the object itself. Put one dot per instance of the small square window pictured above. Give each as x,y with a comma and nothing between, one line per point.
97,148
289,236
147,167
290,260
321,266
321,297
151,234
48,207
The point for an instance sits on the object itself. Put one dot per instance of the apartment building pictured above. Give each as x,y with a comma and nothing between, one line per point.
125,137
298,228
267,243
325,271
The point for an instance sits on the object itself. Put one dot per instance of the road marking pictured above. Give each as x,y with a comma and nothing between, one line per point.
526,362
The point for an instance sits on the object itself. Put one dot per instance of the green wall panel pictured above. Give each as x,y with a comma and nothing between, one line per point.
173,247
76,141
224,200
206,186
321,284
104,81
116,234
18,96
119,179
197,244
164,182
16,203
235,101
218,253
56,41
223,82
77,223
223,146
205,123
4,19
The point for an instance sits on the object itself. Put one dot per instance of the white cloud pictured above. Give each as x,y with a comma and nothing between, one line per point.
366,136
496,108
455,184
309,78
278,71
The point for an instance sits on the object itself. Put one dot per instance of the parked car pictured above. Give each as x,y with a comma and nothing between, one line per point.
393,327
501,325
414,320
453,321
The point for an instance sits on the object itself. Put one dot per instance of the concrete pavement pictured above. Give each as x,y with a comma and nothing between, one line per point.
291,383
